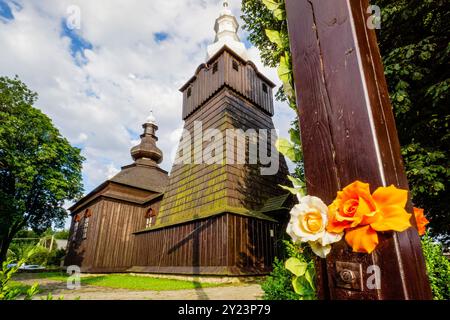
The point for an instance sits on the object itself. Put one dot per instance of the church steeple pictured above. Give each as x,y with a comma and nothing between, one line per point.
226,29
146,152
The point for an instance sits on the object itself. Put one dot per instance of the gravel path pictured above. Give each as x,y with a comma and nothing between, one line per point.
229,292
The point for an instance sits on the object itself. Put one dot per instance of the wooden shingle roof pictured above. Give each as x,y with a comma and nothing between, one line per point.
198,191
275,203
144,177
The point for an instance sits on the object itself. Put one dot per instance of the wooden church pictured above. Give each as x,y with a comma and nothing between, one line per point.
210,219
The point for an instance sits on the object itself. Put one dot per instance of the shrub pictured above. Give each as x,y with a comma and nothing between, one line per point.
438,268
10,292
63,234
278,286
19,249
40,256
55,257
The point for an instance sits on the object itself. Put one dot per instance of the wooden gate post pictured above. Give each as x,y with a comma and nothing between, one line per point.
348,133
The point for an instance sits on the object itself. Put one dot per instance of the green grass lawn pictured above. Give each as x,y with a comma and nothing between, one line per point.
131,282
57,276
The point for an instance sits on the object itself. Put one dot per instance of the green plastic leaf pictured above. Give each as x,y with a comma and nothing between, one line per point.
272,5
296,182
302,287
310,276
295,136
279,14
292,105
298,155
275,37
288,90
284,70
286,148
290,189
296,266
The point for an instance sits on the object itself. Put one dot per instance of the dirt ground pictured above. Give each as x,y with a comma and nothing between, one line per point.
86,292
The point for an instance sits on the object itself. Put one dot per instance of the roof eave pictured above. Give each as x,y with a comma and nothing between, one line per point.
234,54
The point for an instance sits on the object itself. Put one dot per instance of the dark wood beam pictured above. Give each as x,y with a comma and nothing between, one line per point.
348,133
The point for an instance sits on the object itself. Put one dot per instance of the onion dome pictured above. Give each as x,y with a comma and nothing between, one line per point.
226,28
147,151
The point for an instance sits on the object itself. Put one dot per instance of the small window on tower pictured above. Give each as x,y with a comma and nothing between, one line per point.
235,65
264,87
215,67
87,215
85,227
189,92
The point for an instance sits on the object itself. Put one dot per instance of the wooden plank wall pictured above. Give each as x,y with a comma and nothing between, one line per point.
198,243
227,244
245,81
250,245
110,244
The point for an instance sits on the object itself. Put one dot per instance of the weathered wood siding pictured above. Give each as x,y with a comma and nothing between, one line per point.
195,190
226,244
246,81
110,244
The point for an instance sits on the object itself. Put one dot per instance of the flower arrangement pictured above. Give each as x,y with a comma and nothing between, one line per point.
356,214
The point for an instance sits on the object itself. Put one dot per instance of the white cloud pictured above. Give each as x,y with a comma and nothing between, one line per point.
111,171
100,104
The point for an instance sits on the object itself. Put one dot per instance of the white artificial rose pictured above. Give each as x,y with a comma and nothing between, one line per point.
308,223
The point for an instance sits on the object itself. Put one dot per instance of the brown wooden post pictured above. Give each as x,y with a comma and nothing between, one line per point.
348,133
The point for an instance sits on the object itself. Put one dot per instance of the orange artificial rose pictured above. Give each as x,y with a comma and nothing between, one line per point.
362,214
352,207
362,239
420,220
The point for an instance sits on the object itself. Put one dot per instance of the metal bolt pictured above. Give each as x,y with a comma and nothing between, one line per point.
347,275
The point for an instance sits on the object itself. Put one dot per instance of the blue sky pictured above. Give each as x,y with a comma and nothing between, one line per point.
99,82
160,36
5,11
77,43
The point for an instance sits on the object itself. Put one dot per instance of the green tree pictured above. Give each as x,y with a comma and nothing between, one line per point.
438,268
39,169
62,234
258,18
26,233
414,43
